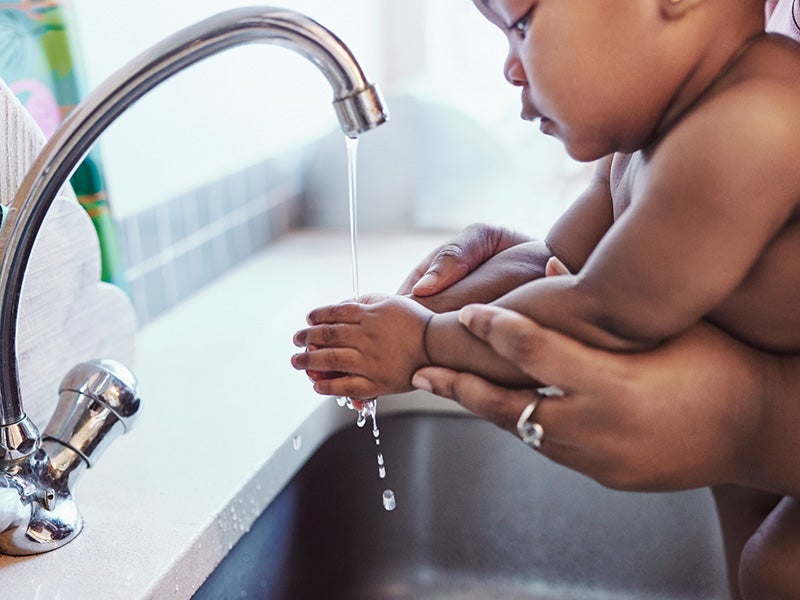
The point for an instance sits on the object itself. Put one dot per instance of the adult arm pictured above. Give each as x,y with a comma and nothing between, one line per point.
699,410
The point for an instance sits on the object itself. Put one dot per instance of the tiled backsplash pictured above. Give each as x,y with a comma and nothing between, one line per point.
173,249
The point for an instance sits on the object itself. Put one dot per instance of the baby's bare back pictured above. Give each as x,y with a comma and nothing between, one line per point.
729,199
764,310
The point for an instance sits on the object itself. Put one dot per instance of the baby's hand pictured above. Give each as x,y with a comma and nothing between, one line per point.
378,346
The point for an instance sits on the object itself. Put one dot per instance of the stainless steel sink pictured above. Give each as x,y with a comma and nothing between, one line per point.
479,515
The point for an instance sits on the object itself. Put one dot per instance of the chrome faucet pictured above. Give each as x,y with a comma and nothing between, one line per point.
99,400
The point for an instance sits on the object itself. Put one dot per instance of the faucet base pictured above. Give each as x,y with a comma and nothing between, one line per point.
37,511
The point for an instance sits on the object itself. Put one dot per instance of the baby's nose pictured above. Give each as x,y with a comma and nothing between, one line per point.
515,74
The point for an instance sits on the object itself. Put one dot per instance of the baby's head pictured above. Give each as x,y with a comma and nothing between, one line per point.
603,74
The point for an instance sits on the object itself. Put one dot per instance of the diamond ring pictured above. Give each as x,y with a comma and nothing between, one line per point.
530,432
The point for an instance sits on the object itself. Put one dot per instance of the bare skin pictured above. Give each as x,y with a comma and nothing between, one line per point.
613,386
674,194
651,242
729,420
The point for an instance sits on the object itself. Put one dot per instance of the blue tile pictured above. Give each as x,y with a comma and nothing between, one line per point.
190,273
149,239
179,224
155,291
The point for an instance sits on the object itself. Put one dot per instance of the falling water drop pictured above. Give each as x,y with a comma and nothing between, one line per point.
388,500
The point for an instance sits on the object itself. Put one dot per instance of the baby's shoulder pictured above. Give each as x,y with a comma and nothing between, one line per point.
767,76
753,108
746,128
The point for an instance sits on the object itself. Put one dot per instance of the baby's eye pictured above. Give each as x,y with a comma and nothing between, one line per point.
521,25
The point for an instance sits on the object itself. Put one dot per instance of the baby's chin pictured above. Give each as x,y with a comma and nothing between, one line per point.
582,151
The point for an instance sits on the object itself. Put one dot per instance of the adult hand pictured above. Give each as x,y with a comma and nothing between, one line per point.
454,260
683,415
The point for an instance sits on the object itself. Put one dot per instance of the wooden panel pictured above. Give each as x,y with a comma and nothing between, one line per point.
67,315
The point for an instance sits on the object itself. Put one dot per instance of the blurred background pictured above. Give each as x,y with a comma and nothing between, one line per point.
236,151
454,152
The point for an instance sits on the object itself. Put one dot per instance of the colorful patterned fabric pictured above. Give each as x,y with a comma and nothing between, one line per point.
39,62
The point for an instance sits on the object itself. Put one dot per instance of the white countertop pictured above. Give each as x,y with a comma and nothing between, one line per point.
220,408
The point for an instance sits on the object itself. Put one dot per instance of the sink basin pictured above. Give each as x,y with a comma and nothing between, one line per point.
479,515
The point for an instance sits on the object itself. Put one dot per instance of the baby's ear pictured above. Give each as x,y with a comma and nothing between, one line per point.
675,9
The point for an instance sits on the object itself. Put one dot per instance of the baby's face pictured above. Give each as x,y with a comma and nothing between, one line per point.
582,69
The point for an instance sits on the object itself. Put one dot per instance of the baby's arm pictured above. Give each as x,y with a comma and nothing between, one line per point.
381,344
572,239
707,202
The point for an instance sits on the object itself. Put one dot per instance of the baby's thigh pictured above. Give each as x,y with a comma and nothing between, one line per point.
769,565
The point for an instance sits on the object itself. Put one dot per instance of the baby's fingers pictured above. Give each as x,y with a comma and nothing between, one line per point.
343,360
351,386
337,334
344,312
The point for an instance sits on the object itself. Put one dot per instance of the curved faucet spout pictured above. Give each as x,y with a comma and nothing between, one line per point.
357,104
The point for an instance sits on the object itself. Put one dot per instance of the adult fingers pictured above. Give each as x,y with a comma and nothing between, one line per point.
453,261
554,267
563,440
503,407
542,353
493,403
417,273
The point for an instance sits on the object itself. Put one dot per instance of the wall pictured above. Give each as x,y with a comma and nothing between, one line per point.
204,171
219,116
254,103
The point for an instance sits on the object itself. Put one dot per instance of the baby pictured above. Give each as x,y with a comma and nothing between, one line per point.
691,110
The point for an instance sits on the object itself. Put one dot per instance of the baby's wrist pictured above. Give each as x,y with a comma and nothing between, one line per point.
425,352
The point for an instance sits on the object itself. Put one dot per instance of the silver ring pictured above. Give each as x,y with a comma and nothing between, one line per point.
530,432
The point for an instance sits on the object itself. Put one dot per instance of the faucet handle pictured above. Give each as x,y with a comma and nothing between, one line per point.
98,401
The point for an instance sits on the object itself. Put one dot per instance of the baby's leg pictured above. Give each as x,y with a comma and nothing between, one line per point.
741,512
769,567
